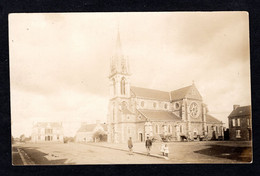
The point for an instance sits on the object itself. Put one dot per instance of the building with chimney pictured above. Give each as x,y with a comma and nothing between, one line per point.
141,112
47,132
240,124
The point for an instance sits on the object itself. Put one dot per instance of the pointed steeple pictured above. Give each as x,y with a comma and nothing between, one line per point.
119,63
118,40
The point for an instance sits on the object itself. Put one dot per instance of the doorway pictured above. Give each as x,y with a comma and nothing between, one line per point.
141,137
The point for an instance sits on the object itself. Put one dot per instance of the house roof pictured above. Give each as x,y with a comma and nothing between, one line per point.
241,111
155,115
90,127
211,119
51,124
150,93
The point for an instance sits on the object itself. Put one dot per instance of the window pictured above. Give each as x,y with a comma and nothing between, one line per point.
154,104
165,106
176,105
233,122
114,86
128,117
207,128
248,122
58,137
157,129
114,112
216,129
238,135
180,128
48,131
169,129
124,105
123,86
238,122
140,117
142,103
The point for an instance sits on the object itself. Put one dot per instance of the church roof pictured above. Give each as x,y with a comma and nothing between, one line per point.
180,93
241,111
186,92
127,111
211,119
156,115
150,93
91,127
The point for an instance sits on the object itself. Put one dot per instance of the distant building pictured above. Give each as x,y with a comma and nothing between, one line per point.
47,132
86,131
240,127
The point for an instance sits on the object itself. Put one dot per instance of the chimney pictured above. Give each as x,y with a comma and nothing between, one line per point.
235,107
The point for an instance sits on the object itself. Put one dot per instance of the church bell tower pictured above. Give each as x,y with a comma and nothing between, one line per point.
119,85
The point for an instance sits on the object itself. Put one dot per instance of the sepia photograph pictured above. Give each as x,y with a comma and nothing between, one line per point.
130,88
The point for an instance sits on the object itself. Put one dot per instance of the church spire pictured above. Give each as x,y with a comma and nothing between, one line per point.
119,62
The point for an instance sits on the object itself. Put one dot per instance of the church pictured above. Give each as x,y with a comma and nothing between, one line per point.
141,112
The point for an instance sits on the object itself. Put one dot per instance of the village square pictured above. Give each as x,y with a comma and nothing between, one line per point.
142,125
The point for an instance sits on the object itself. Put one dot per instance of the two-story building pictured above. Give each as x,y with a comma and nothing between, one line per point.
47,132
240,123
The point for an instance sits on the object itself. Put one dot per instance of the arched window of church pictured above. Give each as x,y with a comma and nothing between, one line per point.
154,104
124,105
113,113
123,86
142,103
169,129
114,86
165,106
157,128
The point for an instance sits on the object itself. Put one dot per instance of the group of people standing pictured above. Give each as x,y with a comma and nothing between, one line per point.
148,145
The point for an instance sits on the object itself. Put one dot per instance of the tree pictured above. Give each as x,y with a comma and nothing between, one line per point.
22,138
100,136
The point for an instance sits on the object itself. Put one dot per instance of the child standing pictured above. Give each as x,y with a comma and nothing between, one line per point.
166,150
162,148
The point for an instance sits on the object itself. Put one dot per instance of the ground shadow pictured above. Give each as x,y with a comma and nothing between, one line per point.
39,157
241,154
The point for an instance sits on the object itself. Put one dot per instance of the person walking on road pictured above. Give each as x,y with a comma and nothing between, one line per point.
130,146
148,145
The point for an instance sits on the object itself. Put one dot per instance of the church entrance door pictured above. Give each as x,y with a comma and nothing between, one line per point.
141,137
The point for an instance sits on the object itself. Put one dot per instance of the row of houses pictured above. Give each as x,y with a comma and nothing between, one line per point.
239,120
54,132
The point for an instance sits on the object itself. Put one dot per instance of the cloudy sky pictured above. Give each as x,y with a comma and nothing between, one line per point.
59,62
